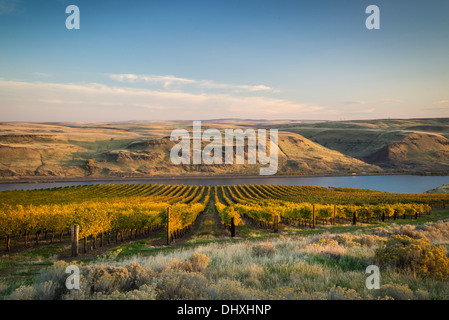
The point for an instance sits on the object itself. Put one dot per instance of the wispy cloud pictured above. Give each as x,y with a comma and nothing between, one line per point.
169,80
43,101
42,74
357,102
388,100
370,110
166,81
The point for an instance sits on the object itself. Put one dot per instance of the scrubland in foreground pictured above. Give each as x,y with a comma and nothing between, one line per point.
412,259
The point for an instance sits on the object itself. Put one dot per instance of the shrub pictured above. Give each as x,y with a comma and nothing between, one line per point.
422,295
394,291
263,249
52,284
198,262
42,291
370,241
433,231
177,265
226,289
23,293
347,240
417,254
108,279
325,242
145,292
180,285
47,290
339,293
328,247
140,276
286,293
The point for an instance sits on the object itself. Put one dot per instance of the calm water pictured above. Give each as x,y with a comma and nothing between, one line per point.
388,183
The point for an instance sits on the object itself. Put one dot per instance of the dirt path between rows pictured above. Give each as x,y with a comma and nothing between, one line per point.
207,226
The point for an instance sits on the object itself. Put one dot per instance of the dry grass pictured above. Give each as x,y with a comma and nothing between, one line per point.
315,267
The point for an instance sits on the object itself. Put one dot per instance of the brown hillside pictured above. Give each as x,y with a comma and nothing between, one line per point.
142,149
303,155
416,151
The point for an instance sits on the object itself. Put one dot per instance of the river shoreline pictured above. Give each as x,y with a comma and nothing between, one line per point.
33,180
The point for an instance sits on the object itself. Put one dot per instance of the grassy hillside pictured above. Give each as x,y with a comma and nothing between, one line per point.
137,149
424,150
393,144
142,148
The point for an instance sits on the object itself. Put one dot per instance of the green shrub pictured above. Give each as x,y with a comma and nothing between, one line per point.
416,254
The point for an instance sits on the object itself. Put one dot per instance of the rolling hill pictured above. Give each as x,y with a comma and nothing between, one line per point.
417,150
414,145
142,149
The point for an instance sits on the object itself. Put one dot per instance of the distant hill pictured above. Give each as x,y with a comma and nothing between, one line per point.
417,150
139,149
416,145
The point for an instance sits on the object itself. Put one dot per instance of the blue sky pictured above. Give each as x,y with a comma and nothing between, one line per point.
175,60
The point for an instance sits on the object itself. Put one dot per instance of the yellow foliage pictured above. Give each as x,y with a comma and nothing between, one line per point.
418,254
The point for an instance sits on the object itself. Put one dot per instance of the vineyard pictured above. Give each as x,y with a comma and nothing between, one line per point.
116,212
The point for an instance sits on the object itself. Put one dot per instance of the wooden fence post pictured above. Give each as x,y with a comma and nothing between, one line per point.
335,214
74,230
232,227
168,227
313,217
354,218
8,243
276,223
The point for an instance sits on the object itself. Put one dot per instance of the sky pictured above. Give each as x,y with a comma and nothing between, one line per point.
198,60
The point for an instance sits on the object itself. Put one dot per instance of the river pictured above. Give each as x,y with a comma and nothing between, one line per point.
387,183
